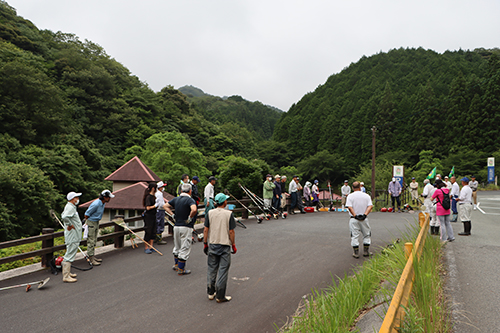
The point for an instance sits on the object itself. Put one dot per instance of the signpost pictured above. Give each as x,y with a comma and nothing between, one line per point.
491,170
398,172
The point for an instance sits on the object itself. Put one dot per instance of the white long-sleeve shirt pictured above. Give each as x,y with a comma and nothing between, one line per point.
455,190
465,195
346,189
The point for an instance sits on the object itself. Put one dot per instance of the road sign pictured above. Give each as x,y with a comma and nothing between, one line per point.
491,169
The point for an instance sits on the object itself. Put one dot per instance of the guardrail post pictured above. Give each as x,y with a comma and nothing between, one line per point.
119,240
408,249
46,258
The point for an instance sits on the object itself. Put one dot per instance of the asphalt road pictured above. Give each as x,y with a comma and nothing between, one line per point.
278,263
474,269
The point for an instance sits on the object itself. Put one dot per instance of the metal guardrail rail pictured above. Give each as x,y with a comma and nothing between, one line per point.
118,235
395,314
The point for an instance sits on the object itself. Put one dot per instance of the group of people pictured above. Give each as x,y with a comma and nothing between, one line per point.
73,229
219,235
445,198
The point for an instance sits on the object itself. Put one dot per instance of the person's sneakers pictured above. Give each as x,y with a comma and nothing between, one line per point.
183,271
97,259
148,251
225,299
175,267
211,297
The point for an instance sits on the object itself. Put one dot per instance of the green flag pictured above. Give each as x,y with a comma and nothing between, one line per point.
452,172
432,174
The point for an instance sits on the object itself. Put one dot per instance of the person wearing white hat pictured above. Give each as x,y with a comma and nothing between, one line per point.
345,190
160,213
394,191
72,234
92,216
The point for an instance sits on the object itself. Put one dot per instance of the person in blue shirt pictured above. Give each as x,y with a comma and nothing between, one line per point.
92,216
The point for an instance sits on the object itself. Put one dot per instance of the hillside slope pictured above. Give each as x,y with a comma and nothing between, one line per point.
418,99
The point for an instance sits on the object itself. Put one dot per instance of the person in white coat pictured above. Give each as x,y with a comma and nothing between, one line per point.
430,208
72,234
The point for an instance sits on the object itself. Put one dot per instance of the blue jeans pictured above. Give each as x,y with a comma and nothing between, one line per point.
160,221
219,261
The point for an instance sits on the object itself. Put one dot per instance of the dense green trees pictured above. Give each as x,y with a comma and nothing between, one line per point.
418,100
70,115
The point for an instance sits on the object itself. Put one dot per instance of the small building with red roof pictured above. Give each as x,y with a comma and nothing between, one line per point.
129,183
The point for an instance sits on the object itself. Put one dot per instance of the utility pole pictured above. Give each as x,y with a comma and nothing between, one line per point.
374,129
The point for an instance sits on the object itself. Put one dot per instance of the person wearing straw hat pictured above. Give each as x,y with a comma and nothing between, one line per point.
219,245
160,213
93,215
72,234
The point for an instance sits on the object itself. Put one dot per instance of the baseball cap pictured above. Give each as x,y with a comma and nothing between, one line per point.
465,179
316,181
72,195
362,183
269,175
277,176
221,197
196,178
107,194
412,178
346,181
283,177
160,184
445,177
211,178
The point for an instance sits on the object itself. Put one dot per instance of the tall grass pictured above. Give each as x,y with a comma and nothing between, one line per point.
336,308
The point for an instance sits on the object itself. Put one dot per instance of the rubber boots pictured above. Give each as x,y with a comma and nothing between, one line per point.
356,252
467,227
93,261
159,240
66,268
366,250
181,265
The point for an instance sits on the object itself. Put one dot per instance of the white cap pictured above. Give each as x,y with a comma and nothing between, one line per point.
72,195
362,183
160,184
108,194
393,179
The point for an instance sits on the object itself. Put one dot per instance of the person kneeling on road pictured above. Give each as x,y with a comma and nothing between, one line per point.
185,210
359,205
219,232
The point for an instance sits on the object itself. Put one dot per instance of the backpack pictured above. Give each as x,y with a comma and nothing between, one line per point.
446,201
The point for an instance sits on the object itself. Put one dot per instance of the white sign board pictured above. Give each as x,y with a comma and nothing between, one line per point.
398,170
491,161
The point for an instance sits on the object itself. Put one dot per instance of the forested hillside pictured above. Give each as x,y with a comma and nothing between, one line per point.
417,99
254,116
70,115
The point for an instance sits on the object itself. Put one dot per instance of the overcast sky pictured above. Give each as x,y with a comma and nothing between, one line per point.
270,51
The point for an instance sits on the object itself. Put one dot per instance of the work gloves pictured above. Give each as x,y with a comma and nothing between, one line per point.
360,217
233,251
205,248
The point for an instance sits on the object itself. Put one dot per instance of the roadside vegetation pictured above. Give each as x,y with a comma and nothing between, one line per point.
338,307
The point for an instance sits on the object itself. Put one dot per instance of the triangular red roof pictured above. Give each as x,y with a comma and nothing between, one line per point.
133,171
129,197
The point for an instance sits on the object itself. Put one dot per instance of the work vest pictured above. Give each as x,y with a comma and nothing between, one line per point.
219,226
